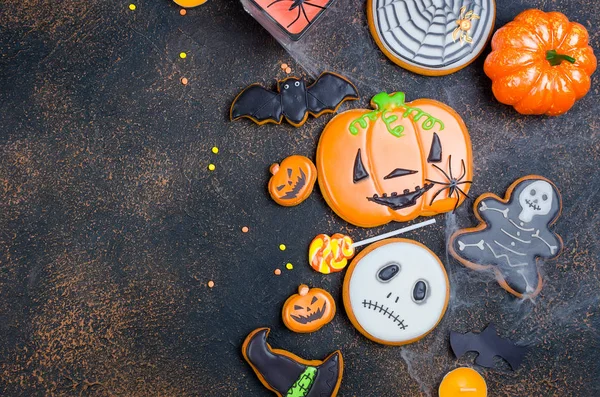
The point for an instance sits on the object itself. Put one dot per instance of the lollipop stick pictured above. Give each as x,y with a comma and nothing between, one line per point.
393,233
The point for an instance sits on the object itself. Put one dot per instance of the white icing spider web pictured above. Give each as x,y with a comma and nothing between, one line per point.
420,31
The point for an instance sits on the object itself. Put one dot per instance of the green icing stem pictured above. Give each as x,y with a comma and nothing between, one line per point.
384,103
302,386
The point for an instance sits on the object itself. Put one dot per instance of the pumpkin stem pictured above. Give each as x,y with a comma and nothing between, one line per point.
555,58
303,289
385,101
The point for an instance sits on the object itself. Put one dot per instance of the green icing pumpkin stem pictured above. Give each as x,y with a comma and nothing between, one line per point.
385,103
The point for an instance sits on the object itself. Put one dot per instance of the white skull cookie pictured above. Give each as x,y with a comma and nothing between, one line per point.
396,291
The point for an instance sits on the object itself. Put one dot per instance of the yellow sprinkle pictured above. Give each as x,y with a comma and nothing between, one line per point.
211,167
182,55
282,247
289,266
132,7
215,150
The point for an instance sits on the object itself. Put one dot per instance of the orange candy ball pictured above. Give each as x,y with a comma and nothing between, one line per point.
463,382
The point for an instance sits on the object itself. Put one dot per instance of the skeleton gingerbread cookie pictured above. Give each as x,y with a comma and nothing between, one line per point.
396,291
513,233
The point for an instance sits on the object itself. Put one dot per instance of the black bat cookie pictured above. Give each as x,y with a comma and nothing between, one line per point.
294,100
488,344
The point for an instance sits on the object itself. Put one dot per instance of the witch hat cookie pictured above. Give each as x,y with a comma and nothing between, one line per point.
289,375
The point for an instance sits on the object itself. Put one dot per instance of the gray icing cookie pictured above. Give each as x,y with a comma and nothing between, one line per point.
432,37
513,233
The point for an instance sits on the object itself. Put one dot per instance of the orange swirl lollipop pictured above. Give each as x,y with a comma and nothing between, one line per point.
331,254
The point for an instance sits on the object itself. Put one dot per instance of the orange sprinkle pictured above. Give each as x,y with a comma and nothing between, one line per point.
288,70
245,229
277,272
182,12
211,284
184,81
284,66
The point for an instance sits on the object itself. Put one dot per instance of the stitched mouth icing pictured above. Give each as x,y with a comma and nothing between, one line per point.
533,205
385,311
316,315
398,201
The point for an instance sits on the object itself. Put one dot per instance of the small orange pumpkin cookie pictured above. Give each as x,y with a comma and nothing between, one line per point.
308,310
394,163
540,63
292,181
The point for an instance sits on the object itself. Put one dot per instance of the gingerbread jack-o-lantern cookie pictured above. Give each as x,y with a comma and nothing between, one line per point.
292,181
432,38
308,310
394,163
396,291
513,232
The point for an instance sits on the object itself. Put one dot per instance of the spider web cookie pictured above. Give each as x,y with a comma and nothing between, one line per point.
432,37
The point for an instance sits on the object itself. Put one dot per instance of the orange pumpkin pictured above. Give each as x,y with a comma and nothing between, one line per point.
308,310
540,63
396,162
292,181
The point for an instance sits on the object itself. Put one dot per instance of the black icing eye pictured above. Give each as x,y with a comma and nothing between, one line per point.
286,86
359,169
314,299
419,291
297,84
544,197
280,187
532,192
388,272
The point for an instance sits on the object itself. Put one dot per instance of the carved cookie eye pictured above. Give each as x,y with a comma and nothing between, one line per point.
388,272
297,84
399,172
419,292
286,86
532,192
544,197
359,173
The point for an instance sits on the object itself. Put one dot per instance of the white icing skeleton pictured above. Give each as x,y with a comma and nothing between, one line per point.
517,232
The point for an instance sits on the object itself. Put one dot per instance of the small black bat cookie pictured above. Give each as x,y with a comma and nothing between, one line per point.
294,100
488,344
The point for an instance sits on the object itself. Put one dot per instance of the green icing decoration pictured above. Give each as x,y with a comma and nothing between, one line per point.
384,103
302,386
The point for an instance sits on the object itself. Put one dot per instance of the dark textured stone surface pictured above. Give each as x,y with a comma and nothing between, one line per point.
111,225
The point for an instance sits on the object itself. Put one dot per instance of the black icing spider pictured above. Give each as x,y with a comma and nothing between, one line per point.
299,4
452,184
